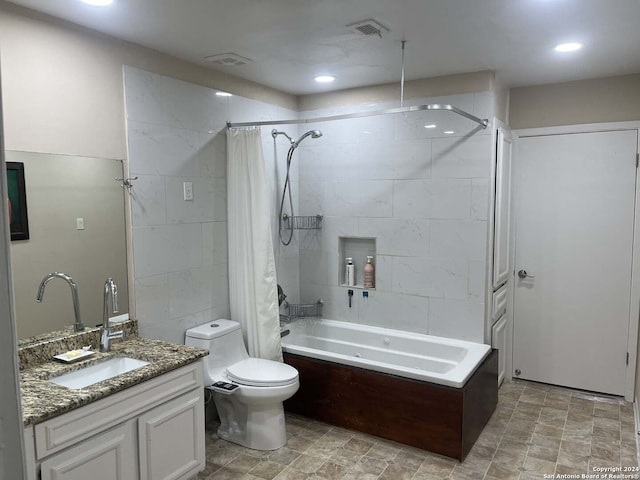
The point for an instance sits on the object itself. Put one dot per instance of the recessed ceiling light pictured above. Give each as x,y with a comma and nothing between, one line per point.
448,132
325,78
224,94
98,3
568,47
433,125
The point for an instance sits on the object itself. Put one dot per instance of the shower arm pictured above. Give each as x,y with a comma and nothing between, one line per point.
483,122
275,133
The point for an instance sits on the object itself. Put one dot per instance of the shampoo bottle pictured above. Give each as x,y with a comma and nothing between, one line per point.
369,273
350,273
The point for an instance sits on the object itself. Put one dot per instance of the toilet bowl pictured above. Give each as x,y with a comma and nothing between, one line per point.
251,414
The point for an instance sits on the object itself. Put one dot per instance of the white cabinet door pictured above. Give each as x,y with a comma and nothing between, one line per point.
171,439
502,214
109,456
499,341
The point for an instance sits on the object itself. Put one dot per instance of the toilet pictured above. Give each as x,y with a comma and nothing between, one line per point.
251,412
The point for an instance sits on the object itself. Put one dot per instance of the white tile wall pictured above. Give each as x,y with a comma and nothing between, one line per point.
456,319
214,243
149,201
477,276
397,236
436,198
421,193
390,310
384,273
161,150
430,277
461,157
176,133
373,198
459,239
166,248
143,92
479,198
152,298
197,210
314,267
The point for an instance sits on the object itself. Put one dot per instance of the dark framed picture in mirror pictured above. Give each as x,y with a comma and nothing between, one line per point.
17,201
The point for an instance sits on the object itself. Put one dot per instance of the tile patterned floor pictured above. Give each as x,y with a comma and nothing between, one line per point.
536,430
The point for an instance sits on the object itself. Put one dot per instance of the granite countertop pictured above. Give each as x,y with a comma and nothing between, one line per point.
42,400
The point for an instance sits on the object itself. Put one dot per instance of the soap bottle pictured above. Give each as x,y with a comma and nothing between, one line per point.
369,273
350,274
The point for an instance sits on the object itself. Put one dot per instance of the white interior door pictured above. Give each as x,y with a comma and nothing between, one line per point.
574,237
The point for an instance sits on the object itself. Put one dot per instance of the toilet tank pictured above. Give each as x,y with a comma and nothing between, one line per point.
223,339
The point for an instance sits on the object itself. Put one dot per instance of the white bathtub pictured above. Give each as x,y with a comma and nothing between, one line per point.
432,359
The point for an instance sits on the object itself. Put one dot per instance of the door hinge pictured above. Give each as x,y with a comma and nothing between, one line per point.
637,159
627,358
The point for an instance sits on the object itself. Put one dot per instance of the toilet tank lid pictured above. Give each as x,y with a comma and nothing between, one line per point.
214,329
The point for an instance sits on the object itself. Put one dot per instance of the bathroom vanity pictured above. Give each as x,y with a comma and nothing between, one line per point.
144,424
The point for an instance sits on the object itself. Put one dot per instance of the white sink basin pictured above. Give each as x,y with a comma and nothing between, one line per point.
97,373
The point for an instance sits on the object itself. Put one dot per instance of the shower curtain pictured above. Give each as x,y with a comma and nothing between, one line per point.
252,272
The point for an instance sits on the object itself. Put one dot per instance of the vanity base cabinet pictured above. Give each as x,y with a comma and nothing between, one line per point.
108,456
172,439
151,431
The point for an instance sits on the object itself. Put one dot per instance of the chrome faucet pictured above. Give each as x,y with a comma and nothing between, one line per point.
78,326
110,290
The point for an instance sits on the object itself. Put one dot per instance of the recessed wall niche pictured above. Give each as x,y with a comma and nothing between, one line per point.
357,248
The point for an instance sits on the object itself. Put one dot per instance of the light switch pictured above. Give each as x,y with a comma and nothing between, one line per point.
188,190
79,223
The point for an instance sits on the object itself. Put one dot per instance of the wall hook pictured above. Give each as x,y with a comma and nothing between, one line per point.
126,182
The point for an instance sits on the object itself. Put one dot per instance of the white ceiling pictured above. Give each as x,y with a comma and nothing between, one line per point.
291,41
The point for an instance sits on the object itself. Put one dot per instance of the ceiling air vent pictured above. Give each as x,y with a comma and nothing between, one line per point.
368,27
228,59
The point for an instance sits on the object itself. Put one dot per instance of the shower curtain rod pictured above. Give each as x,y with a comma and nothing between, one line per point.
416,108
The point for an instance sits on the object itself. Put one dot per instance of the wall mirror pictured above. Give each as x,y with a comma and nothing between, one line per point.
77,226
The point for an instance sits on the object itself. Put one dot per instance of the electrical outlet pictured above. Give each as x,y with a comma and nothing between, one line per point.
188,190
79,223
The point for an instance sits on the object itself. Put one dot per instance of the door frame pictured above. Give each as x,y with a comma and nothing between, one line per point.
489,322
634,310
12,457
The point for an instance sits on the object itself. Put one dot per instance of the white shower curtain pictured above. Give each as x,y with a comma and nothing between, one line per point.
252,273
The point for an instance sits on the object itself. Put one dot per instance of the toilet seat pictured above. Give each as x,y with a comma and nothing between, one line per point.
258,372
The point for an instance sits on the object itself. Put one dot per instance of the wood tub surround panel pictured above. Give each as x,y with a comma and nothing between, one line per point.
480,400
432,417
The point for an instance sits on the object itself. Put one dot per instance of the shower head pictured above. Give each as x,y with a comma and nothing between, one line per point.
313,133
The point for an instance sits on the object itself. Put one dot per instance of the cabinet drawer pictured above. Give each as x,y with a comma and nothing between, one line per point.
65,430
499,302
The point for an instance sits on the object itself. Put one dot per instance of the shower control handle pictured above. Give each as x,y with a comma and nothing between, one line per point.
523,274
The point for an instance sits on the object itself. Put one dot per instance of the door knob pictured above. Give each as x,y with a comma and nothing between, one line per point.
524,274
